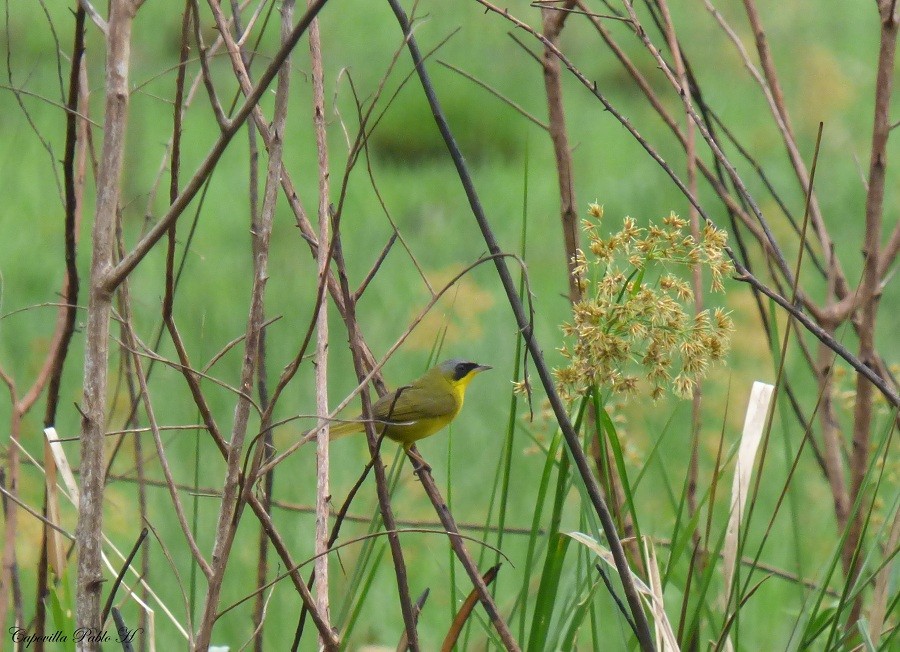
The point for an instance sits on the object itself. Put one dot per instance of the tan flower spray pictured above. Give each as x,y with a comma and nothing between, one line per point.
635,320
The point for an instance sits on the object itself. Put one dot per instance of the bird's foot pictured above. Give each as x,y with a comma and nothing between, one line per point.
419,464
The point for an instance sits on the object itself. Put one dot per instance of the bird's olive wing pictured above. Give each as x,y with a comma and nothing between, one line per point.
412,403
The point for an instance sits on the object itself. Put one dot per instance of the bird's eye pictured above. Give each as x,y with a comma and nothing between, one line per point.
463,369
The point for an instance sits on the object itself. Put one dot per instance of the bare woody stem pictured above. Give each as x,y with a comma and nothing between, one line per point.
553,22
323,493
88,532
696,276
779,110
869,291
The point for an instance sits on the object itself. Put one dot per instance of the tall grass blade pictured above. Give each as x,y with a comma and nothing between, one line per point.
578,615
62,610
605,423
547,592
536,536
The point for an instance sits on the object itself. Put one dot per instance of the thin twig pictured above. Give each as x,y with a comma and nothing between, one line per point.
462,553
775,97
500,96
696,278
95,16
118,581
160,450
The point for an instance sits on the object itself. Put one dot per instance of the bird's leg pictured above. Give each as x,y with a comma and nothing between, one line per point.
419,463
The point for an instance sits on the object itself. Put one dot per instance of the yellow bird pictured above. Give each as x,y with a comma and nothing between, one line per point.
420,409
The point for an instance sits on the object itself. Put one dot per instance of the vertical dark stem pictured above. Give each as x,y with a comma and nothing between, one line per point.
70,287
518,309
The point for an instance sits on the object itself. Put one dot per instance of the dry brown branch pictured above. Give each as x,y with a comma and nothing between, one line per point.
332,640
374,441
889,254
462,553
260,607
869,290
552,24
553,19
205,74
832,441
50,373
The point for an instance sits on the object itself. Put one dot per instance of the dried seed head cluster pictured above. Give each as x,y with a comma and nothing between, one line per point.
634,318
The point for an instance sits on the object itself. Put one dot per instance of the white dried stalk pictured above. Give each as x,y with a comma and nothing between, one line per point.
665,635
754,427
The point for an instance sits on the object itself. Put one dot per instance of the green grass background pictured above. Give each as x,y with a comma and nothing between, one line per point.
830,81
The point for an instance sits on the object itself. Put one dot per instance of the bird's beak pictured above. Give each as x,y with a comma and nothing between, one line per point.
482,367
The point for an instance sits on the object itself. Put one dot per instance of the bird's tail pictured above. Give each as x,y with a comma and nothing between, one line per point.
340,430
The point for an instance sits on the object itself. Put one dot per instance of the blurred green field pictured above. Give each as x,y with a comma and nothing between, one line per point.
831,82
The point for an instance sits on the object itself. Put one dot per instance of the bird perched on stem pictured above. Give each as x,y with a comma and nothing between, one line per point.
420,409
